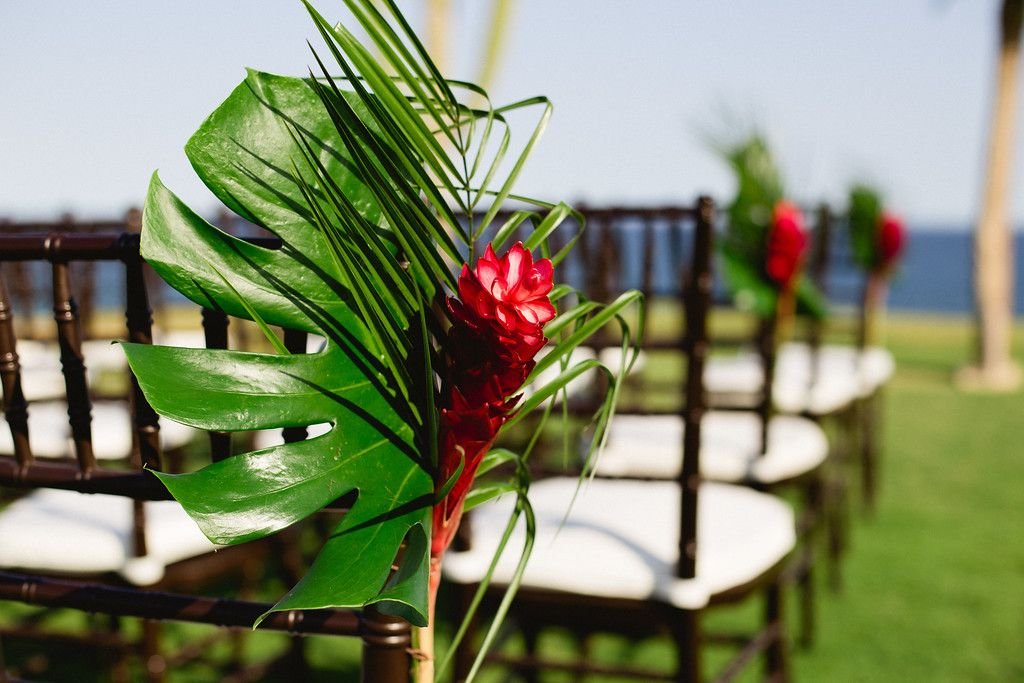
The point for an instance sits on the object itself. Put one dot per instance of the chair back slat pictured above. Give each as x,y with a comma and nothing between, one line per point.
139,321
215,330
386,640
697,302
15,406
69,339
295,342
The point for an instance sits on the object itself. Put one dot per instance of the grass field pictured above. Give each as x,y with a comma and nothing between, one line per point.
934,580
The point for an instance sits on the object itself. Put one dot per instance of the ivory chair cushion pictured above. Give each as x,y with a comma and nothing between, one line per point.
873,366
737,379
620,540
652,446
576,386
50,434
67,532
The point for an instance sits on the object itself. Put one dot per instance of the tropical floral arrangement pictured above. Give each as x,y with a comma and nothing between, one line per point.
764,249
877,236
389,189
877,241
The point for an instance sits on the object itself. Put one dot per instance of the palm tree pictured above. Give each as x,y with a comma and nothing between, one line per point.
993,253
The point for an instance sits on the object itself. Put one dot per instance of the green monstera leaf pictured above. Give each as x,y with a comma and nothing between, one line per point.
245,154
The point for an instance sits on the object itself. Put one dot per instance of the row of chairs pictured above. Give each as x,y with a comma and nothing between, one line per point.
64,470
709,490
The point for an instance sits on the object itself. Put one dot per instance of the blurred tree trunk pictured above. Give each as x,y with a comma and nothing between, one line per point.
439,22
993,246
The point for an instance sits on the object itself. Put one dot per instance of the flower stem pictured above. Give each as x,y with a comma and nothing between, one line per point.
425,634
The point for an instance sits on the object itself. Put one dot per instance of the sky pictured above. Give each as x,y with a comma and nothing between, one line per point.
97,95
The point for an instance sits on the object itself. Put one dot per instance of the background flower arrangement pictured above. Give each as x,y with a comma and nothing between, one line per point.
364,176
764,249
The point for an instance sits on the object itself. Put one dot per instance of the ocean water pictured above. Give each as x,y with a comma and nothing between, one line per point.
937,270
934,275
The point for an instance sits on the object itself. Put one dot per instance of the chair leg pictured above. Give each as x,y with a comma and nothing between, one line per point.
531,637
836,511
119,670
154,663
685,628
869,452
3,663
805,579
776,656
464,654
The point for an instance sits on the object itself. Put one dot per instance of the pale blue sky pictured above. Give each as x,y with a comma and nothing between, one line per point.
96,95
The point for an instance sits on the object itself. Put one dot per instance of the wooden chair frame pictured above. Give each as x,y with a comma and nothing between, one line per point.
386,640
534,609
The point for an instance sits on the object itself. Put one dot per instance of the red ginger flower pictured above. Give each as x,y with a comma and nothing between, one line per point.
512,291
496,331
787,242
891,239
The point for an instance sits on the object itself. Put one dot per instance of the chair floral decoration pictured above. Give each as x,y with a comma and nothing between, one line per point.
362,175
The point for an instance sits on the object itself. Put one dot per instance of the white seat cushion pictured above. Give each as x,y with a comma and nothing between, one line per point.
50,433
612,357
652,446
575,386
77,533
738,379
865,370
621,540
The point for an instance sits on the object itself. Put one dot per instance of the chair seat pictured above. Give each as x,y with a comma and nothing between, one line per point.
873,366
620,540
50,434
839,381
652,446
574,387
92,534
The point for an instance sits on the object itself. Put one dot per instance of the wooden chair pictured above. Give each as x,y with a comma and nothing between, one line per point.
641,557
104,537
751,445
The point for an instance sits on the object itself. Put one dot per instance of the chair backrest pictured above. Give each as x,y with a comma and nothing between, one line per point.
385,639
667,253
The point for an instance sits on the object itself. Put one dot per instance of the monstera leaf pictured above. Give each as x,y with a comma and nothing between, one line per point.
244,152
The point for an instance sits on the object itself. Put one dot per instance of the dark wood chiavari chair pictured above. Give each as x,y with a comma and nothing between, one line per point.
747,443
639,556
143,574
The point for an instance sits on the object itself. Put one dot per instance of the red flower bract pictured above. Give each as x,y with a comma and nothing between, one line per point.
497,329
891,239
786,244
512,291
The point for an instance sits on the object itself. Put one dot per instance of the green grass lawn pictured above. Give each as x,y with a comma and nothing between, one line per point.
934,580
